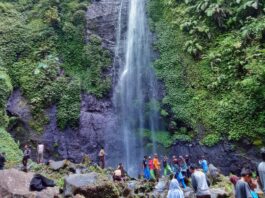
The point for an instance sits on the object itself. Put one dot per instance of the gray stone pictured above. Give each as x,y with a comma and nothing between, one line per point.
218,193
56,165
162,185
188,193
213,174
92,185
14,183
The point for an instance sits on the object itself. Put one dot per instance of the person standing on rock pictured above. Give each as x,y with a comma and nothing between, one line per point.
2,161
166,166
40,153
187,159
157,167
204,164
101,157
151,167
26,156
199,183
146,168
175,164
242,186
183,166
261,170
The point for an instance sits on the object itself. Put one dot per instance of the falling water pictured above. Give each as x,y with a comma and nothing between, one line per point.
136,90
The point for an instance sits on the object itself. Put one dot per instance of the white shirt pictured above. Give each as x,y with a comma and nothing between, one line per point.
40,148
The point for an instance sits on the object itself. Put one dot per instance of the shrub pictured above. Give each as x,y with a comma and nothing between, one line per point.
211,140
5,90
8,145
79,17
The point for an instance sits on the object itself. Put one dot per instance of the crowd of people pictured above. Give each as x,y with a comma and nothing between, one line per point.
179,169
26,156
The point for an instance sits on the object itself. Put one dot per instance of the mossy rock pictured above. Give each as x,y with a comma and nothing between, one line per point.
93,185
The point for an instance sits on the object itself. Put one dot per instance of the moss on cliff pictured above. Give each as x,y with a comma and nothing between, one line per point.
5,90
44,50
212,62
10,147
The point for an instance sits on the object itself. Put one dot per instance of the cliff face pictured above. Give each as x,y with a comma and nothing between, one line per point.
96,115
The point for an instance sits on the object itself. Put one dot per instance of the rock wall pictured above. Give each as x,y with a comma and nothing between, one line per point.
97,117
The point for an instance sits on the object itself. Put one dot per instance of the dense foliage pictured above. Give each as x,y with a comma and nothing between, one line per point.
10,147
44,50
212,60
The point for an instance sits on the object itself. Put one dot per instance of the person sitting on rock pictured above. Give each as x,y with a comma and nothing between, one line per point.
26,157
174,189
242,186
2,161
123,173
119,173
199,183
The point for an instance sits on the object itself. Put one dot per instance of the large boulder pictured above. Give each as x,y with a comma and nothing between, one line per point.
14,183
189,193
161,188
218,193
57,165
92,185
213,174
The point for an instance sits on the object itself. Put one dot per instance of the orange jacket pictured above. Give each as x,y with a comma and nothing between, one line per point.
156,163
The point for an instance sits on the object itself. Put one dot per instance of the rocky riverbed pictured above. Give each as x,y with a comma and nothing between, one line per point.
89,181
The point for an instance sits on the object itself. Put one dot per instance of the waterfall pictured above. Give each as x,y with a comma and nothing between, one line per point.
136,89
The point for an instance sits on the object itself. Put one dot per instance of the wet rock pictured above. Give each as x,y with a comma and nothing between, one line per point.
213,174
189,193
16,184
162,185
161,188
18,106
102,17
92,185
79,196
218,193
56,165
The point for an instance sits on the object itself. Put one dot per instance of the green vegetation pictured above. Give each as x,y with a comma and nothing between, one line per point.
5,90
10,147
165,138
212,60
43,50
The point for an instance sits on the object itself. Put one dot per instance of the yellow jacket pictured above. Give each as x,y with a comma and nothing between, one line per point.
156,163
